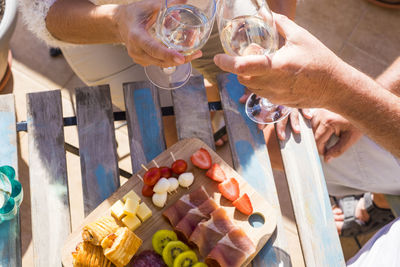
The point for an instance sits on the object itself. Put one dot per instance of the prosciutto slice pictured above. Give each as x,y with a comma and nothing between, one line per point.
232,250
208,233
187,202
194,216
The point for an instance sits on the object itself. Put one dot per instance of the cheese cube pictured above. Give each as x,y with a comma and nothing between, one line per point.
132,222
117,210
133,195
143,212
131,206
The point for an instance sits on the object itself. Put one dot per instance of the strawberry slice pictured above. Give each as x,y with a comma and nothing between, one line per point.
243,204
201,158
229,189
216,173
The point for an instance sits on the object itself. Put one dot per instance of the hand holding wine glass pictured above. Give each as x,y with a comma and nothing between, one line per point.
247,28
184,27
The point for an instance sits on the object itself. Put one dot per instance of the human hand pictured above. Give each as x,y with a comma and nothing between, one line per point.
326,123
297,75
134,21
281,125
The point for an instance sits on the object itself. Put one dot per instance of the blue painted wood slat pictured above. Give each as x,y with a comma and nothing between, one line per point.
97,145
145,127
10,241
51,221
251,160
317,231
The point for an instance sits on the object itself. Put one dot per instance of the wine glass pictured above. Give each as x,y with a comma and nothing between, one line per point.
247,27
184,26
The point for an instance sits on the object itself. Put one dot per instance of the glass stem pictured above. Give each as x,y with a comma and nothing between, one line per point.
169,70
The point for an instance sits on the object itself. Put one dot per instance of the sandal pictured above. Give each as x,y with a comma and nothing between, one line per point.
353,226
386,3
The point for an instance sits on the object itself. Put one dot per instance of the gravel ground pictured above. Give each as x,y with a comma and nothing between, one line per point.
2,6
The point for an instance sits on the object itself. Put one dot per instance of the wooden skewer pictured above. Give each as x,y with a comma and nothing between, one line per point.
144,167
140,177
155,163
173,157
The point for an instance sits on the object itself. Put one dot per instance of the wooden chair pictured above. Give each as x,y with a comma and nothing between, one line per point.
100,172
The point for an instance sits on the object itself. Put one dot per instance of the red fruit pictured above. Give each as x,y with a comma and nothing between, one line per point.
201,158
216,173
166,172
152,176
243,204
147,190
229,189
179,166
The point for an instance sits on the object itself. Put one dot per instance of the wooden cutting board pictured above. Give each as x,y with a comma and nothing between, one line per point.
183,150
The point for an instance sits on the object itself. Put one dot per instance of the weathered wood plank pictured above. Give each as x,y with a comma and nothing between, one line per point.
318,235
97,146
145,127
10,241
394,202
191,111
48,177
251,160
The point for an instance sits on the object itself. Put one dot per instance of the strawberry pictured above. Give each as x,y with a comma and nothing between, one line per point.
243,204
202,159
229,189
216,173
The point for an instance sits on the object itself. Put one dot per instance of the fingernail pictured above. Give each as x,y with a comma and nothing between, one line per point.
216,59
179,59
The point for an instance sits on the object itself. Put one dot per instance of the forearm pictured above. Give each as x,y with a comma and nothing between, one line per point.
370,107
284,7
390,79
81,22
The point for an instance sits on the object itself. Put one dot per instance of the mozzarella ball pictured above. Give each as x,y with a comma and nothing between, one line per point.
159,200
161,186
186,179
173,184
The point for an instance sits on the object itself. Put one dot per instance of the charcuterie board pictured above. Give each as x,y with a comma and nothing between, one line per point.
264,222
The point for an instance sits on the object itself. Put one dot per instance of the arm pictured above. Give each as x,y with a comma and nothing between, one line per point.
390,79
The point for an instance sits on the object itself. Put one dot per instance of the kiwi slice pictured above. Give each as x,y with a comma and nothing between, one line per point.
161,238
186,259
200,264
172,250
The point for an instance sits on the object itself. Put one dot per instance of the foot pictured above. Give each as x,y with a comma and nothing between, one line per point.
362,217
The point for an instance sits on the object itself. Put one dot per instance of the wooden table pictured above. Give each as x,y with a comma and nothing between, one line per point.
100,172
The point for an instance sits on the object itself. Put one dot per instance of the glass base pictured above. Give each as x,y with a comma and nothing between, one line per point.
169,78
261,111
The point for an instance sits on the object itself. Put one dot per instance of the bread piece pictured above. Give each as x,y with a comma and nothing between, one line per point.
89,255
120,246
96,231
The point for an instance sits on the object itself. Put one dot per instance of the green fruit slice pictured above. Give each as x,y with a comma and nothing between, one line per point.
200,264
161,238
186,259
172,250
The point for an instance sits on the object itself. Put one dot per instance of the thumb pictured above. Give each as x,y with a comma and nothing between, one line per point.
344,143
284,25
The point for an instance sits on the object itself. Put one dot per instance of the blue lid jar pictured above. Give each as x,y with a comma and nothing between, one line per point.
11,193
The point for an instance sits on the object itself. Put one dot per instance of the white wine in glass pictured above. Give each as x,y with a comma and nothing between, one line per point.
247,28
185,28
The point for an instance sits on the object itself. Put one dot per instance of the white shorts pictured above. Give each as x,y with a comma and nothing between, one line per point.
364,167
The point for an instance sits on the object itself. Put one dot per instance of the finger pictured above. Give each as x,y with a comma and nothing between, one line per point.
245,96
261,126
284,25
322,135
344,143
294,121
338,217
307,113
253,65
195,55
339,226
281,128
157,50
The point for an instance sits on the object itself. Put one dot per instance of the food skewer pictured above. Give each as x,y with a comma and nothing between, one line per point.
155,163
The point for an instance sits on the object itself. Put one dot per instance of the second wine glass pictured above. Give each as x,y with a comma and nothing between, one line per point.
247,27
185,28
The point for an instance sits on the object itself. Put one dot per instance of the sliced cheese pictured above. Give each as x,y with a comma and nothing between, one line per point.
132,222
117,210
133,195
131,206
143,212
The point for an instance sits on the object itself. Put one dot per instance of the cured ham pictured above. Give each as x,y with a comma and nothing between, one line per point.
187,202
194,216
232,250
208,233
